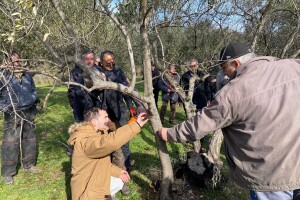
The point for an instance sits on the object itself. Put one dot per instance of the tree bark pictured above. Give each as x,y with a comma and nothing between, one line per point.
167,170
214,149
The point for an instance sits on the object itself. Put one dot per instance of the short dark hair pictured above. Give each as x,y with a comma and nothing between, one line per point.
92,113
171,65
12,53
108,52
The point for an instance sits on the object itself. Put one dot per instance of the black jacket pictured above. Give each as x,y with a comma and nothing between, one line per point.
164,85
111,100
79,99
199,96
20,93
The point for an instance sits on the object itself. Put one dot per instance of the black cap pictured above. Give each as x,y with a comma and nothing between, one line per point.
233,50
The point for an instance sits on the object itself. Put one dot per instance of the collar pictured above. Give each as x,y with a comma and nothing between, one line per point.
251,65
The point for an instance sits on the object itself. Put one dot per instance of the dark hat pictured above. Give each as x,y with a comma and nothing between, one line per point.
233,50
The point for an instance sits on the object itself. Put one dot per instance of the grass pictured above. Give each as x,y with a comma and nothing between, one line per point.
54,181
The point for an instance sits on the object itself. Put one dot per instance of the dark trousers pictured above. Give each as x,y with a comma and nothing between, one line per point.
78,113
163,111
18,128
156,93
282,195
127,156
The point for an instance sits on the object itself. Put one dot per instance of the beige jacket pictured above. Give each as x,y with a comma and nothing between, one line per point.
259,113
91,164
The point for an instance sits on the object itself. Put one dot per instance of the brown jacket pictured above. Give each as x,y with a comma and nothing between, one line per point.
259,113
91,164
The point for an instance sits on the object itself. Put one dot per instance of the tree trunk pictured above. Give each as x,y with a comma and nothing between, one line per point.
214,149
167,170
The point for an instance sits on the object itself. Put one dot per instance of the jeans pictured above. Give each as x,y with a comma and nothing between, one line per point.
279,195
18,127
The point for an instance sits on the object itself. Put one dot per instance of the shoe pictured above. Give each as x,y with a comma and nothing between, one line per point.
32,169
8,180
132,162
125,190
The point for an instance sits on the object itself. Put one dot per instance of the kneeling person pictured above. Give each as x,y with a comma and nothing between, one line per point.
93,174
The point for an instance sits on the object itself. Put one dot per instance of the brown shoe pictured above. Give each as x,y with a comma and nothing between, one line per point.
32,169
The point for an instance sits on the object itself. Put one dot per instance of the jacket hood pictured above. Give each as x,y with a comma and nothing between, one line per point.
80,130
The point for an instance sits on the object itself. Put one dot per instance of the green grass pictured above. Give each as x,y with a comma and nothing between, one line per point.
54,181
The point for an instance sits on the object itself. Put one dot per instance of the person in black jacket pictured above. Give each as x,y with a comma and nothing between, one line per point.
79,99
169,94
155,77
199,96
113,102
18,98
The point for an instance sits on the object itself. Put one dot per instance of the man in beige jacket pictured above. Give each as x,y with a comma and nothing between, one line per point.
259,113
93,174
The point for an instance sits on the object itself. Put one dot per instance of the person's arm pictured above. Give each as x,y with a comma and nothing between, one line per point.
184,82
102,145
123,80
77,77
207,90
115,171
34,91
212,118
155,76
119,173
162,85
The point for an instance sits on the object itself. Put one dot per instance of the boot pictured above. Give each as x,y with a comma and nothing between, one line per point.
125,190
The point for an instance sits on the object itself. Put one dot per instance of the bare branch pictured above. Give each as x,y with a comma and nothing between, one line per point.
123,30
292,38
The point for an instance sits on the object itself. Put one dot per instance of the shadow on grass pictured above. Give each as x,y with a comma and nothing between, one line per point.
146,137
144,172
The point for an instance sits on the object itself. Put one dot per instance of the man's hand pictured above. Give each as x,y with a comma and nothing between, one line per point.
142,119
124,176
163,133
